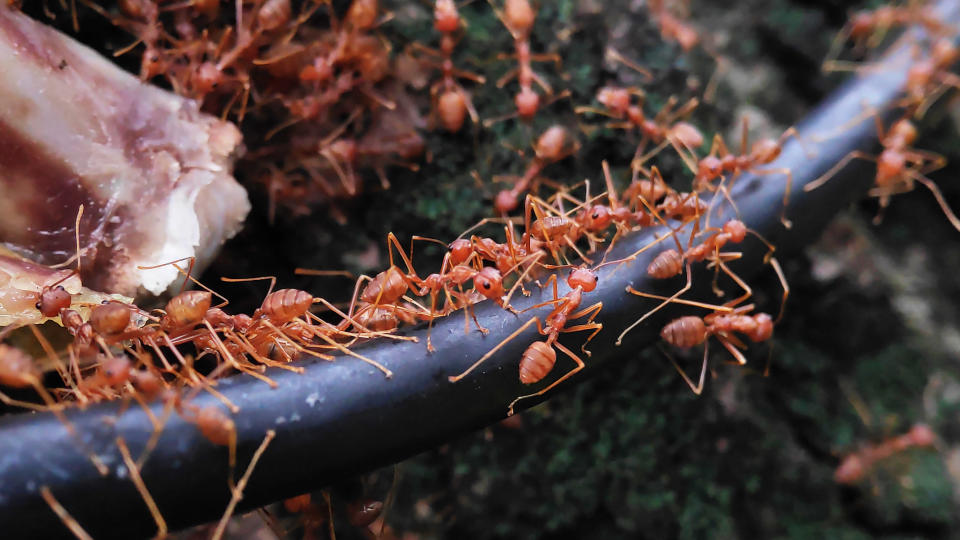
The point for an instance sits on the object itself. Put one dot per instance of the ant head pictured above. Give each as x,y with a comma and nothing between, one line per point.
445,17
152,64
116,369
687,134
597,217
452,109
527,102
505,202
489,283
764,328
519,16
736,229
850,471
553,144
460,250
922,435
614,98
362,14
206,78
584,278
52,300
710,167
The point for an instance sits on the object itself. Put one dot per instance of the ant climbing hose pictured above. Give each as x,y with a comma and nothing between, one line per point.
340,418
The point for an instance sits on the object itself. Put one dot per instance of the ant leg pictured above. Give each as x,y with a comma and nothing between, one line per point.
502,81
392,241
937,161
532,264
157,431
662,304
237,491
698,388
567,375
142,488
387,373
273,281
589,325
747,291
490,353
64,516
615,56
836,46
737,354
787,224
786,288
856,154
929,184
556,297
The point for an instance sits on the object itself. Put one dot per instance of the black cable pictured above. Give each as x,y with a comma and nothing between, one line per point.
341,418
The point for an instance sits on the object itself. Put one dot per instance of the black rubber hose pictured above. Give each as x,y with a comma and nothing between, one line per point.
341,418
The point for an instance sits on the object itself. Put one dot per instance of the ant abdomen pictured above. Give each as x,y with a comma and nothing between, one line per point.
536,363
109,319
666,265
187,308
286,304
685,332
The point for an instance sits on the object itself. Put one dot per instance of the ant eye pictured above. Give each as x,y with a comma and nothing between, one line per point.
596,278
486,284
60,288
38,304
596,215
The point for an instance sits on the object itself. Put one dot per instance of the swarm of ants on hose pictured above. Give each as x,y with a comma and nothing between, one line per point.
315,87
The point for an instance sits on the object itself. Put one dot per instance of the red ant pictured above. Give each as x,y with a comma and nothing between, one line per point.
518,17
675,29
450,102
539,358
671,262
928,78
690,331
856,465
281,327
551,233
898,166
868,28
720,161
665,127
553,145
